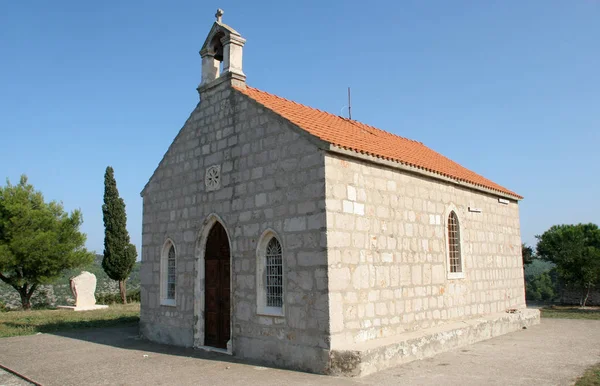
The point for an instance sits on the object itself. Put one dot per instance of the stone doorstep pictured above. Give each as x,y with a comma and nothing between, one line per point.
368,357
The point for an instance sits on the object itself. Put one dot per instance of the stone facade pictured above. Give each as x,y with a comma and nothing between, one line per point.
387,252
364,255
272,178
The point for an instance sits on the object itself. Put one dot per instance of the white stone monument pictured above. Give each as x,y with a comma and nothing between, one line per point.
83,287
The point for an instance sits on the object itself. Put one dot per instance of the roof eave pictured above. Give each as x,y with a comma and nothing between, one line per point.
412,169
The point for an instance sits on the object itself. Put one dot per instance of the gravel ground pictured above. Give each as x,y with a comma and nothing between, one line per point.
8,379
555,352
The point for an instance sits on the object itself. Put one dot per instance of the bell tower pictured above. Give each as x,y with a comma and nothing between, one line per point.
222,56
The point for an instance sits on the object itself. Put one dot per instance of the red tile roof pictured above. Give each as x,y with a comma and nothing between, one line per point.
365,139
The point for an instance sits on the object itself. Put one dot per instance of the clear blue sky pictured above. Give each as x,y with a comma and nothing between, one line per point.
508,89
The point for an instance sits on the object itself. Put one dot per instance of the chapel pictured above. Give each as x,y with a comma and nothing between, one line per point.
283,234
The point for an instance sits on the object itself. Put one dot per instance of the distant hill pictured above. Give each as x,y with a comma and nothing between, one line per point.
59,293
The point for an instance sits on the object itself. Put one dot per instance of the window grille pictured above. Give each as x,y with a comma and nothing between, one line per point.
454,243
274,274
171,273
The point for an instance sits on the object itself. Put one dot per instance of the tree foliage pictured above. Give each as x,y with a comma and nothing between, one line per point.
540,288
527,253
537,267
38,240
119,253
575,249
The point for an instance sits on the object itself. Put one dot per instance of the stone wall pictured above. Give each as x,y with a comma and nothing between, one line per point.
386,245
271,178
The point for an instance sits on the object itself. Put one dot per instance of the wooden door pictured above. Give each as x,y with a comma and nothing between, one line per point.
217,289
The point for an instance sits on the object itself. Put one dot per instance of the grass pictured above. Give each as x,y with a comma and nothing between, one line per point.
15,323
571,312
590,378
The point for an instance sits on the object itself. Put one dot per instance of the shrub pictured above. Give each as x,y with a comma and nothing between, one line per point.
115,298
541,288
43,299
3,307
134,296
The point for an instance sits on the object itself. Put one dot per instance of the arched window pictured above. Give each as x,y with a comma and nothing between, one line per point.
171,273
454,253
274,274
270,283
168,274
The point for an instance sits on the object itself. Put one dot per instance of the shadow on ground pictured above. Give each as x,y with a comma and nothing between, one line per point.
128,337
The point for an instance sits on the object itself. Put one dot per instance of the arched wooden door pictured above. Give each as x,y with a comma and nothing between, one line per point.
217,331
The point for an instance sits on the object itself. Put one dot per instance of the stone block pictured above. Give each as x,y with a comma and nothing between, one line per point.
351,193
336,307
307,207
427,274
297,317
243,311
359,209
294,224
405,275
347,206
339,239
339,278
321,278
437,274
307,259
381,309
360,277
382,276
387,257
260,200
333,205
304,280
416,274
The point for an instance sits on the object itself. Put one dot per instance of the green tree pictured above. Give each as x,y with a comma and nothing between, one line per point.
38,240
540,288
527,253
575,249
119,253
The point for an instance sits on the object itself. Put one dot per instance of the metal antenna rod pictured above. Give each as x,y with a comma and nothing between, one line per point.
349,105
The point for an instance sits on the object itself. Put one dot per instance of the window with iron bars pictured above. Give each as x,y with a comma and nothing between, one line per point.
454,244
171,273
274,274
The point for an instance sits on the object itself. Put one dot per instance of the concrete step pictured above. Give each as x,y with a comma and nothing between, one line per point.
368,357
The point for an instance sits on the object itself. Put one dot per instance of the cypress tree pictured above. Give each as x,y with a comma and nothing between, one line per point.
119,253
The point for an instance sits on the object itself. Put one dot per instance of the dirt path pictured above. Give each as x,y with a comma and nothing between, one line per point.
553,353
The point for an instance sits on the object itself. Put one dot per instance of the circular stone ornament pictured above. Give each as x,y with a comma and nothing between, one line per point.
212,180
